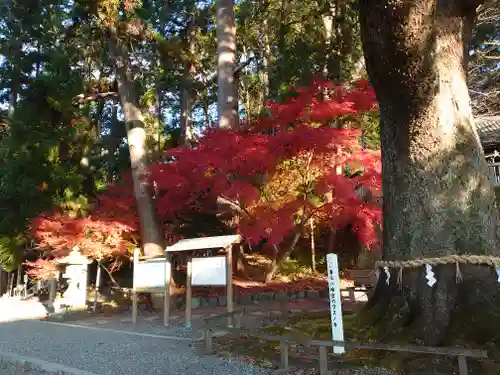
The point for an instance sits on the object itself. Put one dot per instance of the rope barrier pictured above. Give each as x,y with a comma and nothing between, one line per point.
448,259
400,265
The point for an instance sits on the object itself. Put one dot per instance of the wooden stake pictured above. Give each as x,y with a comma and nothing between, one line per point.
134,291
229,284
166,291
188,289
97,284
208,341
313,246
462,365
52,291
284,354
323,360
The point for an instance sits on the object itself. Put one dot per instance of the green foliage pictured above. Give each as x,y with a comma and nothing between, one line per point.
11,251
292,267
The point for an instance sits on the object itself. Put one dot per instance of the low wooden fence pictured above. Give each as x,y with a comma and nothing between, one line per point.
236,317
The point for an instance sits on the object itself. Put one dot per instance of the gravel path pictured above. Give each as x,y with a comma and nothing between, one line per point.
11,369
107,352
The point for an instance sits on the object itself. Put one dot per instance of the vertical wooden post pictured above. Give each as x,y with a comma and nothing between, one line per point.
313,246
238,317
323,360
208,340
134,291
25,286
462,365
166,292
229,284
10,283
97,284
18,279
284,354
188,289
52,291
352,294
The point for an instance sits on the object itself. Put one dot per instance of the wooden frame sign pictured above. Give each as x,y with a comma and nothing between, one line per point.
205,271
151,274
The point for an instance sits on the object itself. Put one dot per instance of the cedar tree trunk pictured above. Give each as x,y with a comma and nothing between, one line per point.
151,233
226,63
437,196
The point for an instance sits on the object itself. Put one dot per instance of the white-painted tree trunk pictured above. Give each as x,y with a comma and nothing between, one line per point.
226,62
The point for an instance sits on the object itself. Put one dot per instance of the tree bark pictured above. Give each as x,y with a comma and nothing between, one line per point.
187,93
151,233
437,196
266,57
226,63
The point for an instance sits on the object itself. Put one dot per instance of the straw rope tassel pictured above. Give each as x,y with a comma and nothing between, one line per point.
400,278
458,274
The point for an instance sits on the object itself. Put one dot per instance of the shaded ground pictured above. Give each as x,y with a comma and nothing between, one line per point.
317,326
7,368
310,324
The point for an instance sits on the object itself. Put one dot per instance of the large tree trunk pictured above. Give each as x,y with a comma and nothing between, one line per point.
266,57
187,91
226,63
151,233
437,196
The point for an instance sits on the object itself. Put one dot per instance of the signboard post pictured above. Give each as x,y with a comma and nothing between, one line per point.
150,275
335,302
215,270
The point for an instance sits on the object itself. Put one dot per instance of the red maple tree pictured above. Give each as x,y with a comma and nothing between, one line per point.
274,173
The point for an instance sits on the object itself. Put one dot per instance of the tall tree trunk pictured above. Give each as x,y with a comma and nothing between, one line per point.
151,233
226,64
266,54
438,199
328,24
206,111
281,48
114,122
158,105
13,97
185,120
187,92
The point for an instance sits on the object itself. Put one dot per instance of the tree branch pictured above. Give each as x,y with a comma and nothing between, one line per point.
83,99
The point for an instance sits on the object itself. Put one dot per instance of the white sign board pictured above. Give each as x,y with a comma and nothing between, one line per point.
151,275
335,301
209,271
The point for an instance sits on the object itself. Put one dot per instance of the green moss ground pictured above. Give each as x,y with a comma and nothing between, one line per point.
317,326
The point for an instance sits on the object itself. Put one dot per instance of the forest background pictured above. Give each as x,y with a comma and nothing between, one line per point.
67,127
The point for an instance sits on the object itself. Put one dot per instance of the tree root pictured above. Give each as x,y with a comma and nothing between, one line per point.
448,314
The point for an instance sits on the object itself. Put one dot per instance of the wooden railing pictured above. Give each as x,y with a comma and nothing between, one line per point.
362,277
285,341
